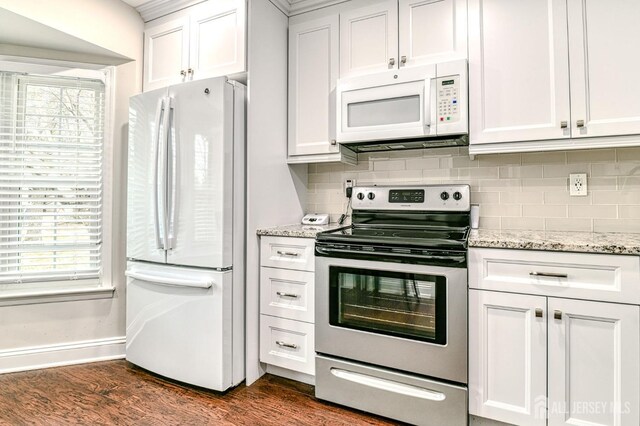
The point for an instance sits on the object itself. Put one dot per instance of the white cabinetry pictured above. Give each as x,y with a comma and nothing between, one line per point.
535,358
287,306
205,40
542,72
398,33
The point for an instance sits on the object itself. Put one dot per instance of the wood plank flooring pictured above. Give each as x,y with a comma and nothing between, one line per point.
119,393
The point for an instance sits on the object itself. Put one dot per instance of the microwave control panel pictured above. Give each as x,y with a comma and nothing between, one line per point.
448,89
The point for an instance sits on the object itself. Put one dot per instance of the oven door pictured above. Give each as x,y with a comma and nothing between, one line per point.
407,317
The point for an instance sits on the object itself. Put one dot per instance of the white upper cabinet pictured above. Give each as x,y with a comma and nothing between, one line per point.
518,70
369,39
217,38
166,53
432,31
313,72
593,362
604,41
202,41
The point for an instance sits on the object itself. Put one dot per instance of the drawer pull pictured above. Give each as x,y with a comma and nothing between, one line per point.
548,275
286,345
538,313
288,253
557,315
292,295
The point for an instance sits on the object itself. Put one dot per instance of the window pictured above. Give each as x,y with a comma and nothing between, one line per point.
51,159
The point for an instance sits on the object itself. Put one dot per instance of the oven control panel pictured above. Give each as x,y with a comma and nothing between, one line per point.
422,197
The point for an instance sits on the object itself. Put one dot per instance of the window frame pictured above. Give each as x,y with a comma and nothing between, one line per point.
69,290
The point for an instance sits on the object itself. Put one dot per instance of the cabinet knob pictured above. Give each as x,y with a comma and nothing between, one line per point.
392,61
333,142
563,124
557,315
538,312
580,123
403,60
190,71
183,73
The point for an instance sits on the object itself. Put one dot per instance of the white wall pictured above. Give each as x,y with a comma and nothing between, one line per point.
275,192
112,25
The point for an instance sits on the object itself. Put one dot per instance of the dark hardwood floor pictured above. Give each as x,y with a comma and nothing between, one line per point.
119,393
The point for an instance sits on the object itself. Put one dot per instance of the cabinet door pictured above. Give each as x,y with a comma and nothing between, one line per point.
508,357
604,41
313,72
166,53
217,38
432,31
594,376
518,70
369,39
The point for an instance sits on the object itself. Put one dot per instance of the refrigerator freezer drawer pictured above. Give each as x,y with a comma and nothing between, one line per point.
403,397
179,325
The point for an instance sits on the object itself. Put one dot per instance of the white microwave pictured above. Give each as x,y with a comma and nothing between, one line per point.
429,101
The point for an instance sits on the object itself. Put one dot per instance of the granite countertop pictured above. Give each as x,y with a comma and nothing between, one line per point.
586,242
297,230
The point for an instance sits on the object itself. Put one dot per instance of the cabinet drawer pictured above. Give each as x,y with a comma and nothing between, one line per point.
287,253
287,344
610,278
287,293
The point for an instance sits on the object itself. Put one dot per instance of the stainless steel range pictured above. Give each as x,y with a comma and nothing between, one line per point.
391,305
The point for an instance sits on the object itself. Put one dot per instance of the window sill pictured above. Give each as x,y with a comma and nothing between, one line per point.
38,296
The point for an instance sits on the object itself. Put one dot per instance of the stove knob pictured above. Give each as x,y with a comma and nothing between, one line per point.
371,195
444,195
457,196
360,196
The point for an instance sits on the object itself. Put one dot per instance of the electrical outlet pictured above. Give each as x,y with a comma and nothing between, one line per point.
348,184
578,184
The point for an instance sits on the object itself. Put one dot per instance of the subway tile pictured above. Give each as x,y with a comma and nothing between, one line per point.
489,222
544,157
389,165
602,184
563,170
499,160
563,197
616,225
628,154
421,163
367,178
616,169
485,197
563,224
410,176
616,197
499,184
593,212
522,198
629,182
553,184
524,223
479,173
442,152
440,173
500,210
544,210
629,212
324,177
464,161
511,172
591,156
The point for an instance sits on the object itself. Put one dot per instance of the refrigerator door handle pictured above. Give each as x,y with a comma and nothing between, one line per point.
172,171
157,175
169,281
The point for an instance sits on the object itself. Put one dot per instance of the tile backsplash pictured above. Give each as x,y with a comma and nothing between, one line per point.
515,191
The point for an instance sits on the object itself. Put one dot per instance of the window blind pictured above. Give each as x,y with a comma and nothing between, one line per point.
51,144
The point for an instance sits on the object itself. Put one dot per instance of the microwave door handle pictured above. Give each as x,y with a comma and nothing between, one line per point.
427,102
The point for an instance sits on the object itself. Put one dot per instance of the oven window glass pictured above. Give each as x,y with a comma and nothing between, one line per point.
398,304
381,112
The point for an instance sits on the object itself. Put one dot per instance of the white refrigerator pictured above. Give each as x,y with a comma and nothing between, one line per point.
185,232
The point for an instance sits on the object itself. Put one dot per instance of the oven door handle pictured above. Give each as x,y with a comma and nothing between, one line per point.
329,251
388,385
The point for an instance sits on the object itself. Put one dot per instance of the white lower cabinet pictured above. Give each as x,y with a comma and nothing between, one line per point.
537,360
287,291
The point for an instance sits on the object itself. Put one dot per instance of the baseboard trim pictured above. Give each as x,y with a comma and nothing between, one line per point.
46,356
292,375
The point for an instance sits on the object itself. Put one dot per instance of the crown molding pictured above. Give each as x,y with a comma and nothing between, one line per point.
153,9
